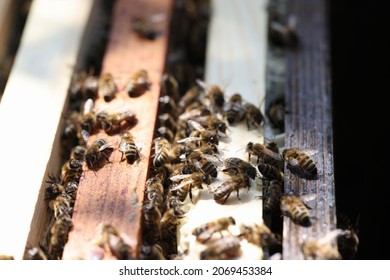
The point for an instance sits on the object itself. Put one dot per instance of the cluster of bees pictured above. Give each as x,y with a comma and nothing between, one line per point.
61,191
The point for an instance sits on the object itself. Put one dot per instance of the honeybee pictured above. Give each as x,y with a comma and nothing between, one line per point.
109,237
161,152
263,153
173,202
283,35
112,122
292,207
222,249
300,163
61,205
138,83
127,146
152,222
205,231
253,116
271,172
96,152
260,235
213,123
276,114
53,189
107,87
272,194
167,120
187,182
207,167
59,235
170,89
167,104
216,96
166,133
144,28
78,153
234,110
235,183
236,166
155,193
190,96
36,253
83,86
152,252
314,250
169,220
347,240
203,136
71,171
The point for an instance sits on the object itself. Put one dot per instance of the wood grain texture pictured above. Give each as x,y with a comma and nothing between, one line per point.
309,121
114,194
30,113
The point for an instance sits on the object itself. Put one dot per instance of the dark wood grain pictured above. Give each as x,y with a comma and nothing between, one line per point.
309,121
114,194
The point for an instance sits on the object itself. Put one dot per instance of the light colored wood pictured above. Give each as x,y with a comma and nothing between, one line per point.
235,60
114,194
30,113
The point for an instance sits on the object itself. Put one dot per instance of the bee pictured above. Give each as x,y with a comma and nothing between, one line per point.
300,163
155,192
270,172
234,110
216,96
61,205
83,86
260,235
276,114
222,249
207,167
283,35
54,188
205,231
138,83
235,183
292,207
314,250
263,153
347,240
6,258
173,202
78,153
187,182
144,28
166,133
152,222
36,253
170,89
71,171
107,87
213,123
59,235
161,152
348,243
96,152
152,252
272,194
112,122
90,87
189,97
253,116
127,146
169,220
236,166
168,121
109,238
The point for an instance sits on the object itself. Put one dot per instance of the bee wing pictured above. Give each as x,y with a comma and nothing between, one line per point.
181,185
201,83
190,114
307,198
211,158
179,177
188,139
85,135
196,125
105,146
272,154
311,152
88,105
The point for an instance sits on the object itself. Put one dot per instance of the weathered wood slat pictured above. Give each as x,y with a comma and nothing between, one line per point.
30,114
235,60
309,121
114,194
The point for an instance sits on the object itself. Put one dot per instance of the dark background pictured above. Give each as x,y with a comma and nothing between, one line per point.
360,83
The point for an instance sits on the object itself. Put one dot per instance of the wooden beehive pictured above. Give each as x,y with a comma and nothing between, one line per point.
41,76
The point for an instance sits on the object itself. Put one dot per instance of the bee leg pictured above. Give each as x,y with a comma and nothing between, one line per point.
238,194
190,194
226,198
